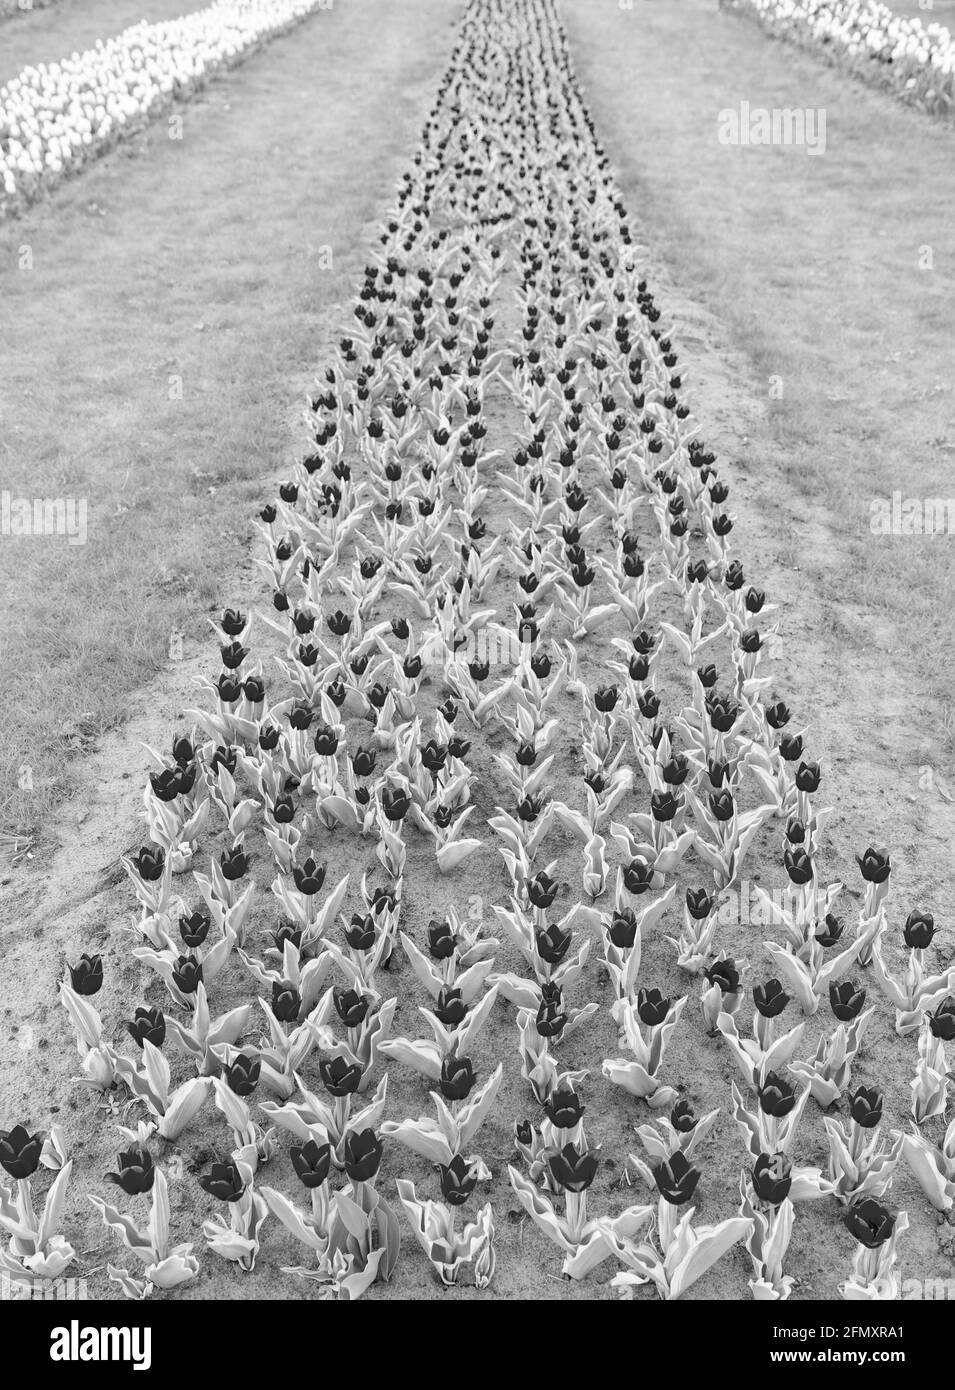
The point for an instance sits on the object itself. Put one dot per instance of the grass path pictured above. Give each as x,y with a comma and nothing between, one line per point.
149,272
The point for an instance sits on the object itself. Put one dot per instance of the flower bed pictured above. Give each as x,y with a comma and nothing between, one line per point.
914,60
56,116
507,649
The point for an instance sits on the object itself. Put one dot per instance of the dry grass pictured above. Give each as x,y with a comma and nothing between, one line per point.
201,260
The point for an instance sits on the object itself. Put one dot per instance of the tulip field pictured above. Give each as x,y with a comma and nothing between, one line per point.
482,937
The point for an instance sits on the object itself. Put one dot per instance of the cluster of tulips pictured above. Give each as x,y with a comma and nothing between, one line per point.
56,116
451,626
913,59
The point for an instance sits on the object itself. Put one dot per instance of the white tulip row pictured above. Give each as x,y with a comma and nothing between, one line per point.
56,115
916,58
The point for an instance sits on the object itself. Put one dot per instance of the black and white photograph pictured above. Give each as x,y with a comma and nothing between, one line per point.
477,787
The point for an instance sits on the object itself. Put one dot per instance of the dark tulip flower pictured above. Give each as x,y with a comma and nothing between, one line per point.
233,655
846,1000
187,974
229,688
638,876
86,976
442,942
552,944
791,747
309,877
652,1007
572,1170
526,755
283,810
363,1151
649,704
449,1007
242,1076
870,1223
269,738
195,928
458,1181
150,862
400,629
530,807
551,1018
865,1106
830,932
725,974
665,805
722,805
776,1096
564,1108
457,1078
605,698
623,929
795,831
287,931
224,1181
338,623
778,715
524,1132
699,904
137,1172
918,930
723,712
253,688
707,676
300,715
363,762
20,1152
168,784
311,1162
542,889
875,865
147,1025
772,1178
798,865
942,1022
232,622
339,1077
770,999
676,1179
717,771
351,1007
286,1002
682,1117
234,863
675,770
396,803
183,751
808,777
326,741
